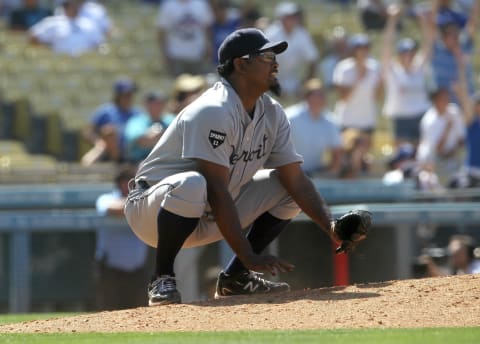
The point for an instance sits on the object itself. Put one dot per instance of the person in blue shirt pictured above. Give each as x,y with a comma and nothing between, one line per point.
107,124
122,268
226,20
28,15
314,134
143,130
453,37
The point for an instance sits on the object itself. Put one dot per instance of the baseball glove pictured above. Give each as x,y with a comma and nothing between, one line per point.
352,228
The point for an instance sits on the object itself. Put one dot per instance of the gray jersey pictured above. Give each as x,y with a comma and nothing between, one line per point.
216,128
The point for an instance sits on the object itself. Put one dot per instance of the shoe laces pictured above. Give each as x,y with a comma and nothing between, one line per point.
256,276
165,283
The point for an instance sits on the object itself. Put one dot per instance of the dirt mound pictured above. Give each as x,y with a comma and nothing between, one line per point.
434,302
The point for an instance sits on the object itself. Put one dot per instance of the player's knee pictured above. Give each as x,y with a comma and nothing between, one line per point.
193,185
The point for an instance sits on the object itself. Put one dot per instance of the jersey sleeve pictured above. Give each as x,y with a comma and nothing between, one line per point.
283,151
207,135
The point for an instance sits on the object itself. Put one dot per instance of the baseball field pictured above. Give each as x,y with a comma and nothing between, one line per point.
433,310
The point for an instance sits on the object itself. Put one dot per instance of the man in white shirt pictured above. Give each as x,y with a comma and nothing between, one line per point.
93,11
183,31
442,134
299,61
357,81
67,33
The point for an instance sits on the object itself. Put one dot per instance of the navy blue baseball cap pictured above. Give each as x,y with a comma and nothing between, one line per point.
124,85
247,41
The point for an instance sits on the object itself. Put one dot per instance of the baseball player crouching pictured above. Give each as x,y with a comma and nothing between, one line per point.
226,165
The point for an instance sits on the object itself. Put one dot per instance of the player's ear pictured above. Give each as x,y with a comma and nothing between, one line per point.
240,64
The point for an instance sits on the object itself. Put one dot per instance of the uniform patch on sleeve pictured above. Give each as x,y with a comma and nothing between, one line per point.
216,138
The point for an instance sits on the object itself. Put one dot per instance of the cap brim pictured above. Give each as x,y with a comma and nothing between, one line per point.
276,47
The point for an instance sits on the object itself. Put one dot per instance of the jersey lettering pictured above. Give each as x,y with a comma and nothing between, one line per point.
247,156
216,138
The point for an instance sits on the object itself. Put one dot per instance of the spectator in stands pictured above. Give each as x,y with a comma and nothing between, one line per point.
67,33
314,134
186,89
96,12
403,166
406,79
183,33
358,83
29,14
469,174
111,117
121,258
226,20
298,62
462,258
143,130
442,133
252,16
450,38
337,50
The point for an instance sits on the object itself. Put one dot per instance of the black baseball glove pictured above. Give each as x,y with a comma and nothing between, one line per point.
352,228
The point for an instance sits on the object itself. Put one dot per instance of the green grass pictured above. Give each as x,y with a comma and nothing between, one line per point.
370,336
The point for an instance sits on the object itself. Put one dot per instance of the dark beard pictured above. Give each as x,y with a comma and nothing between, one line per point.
276,89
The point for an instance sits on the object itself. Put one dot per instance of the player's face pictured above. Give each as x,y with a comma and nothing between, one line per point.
264,69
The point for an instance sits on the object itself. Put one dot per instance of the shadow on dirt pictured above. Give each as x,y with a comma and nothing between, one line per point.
324,294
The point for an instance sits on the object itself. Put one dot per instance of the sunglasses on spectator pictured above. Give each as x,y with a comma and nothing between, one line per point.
265,56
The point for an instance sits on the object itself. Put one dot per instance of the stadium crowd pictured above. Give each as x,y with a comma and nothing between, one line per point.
419,84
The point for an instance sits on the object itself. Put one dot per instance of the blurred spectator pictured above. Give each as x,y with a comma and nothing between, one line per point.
67,33
184,31
446,11
469,174
403,166
358,83
337,50
94,11
298,62
111,117
450,40
186,89
143,130
406,79
252,16
373,14
121,258
28,15
314,134
226,20
442,133
461,258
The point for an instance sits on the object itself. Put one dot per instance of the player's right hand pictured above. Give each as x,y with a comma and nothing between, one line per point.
267,263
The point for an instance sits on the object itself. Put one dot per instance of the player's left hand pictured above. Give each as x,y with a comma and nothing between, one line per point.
351,229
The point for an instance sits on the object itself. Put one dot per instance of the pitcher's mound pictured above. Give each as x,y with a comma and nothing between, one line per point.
432,302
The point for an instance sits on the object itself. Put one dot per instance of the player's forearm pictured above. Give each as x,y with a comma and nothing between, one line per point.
228,222
304,193
314,206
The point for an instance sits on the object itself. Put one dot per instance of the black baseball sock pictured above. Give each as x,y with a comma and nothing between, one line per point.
173,230
264,230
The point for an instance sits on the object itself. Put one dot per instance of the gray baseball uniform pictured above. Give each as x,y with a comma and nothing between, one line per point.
215,128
